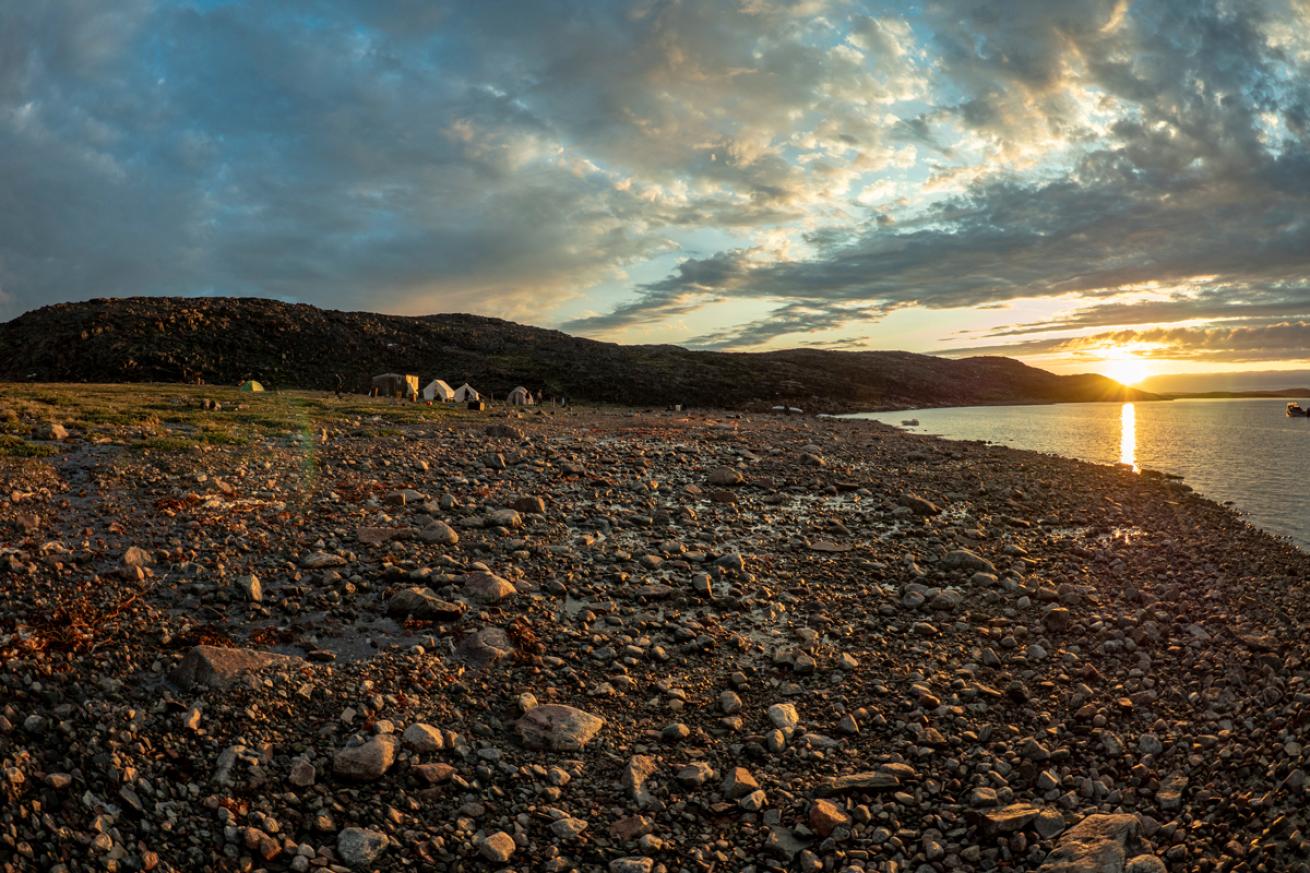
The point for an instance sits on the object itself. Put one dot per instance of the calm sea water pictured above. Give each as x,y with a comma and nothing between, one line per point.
1247,451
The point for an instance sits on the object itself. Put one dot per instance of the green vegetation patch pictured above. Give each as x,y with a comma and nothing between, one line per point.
16,447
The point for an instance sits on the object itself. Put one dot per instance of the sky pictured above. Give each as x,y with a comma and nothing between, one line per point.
1088,185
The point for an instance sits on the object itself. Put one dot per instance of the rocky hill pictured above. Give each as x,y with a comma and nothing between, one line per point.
227,340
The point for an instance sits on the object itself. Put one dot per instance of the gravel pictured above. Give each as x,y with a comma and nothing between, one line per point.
640,641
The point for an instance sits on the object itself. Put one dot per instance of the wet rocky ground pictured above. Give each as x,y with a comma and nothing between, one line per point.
302,633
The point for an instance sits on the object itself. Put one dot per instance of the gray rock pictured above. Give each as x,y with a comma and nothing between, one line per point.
504,431
251,587
423,603
368,761
530,505
51,431
217,667
920,506
640,768
879,780
1007,819
439,533
558,727
1097,844
696,773
504,518
322,561
1170,794
423,738
484,647
725,476
487,587
497,847
632,864
783,716
964,559
135,556
738,783
359,847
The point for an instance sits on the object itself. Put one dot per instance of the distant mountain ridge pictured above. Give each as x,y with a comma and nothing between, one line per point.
224,340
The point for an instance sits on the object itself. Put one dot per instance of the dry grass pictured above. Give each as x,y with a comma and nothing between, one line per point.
172,418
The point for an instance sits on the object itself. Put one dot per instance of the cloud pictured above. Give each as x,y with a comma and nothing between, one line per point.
836,161
501,156
1241,343
790,319
1163,112
1276,301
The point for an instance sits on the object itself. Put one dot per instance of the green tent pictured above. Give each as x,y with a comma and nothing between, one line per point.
251,385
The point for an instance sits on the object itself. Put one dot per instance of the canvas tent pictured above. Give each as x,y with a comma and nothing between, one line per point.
465,393
396,385
438,390
250,385
520,396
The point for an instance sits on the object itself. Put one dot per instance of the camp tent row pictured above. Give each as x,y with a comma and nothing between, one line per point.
439,390
406,385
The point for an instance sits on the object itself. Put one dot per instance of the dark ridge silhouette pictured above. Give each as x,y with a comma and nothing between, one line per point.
223,340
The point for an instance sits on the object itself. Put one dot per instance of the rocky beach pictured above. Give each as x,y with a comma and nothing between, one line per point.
296,632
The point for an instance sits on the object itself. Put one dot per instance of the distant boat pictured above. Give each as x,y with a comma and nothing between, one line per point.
1294,410
909,422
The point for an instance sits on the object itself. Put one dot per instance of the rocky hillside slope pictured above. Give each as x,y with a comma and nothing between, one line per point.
227,340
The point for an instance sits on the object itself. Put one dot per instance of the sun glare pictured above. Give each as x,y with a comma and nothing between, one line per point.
1125,368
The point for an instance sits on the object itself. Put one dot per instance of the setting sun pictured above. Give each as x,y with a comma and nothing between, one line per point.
1125,368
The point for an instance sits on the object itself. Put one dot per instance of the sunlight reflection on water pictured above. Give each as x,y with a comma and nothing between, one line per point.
1246,450
1128,436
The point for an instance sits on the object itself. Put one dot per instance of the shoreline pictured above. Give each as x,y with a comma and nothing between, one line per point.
1300,540
783,642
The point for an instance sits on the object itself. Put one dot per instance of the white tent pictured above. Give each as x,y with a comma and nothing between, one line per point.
520,396
465,393
438,390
